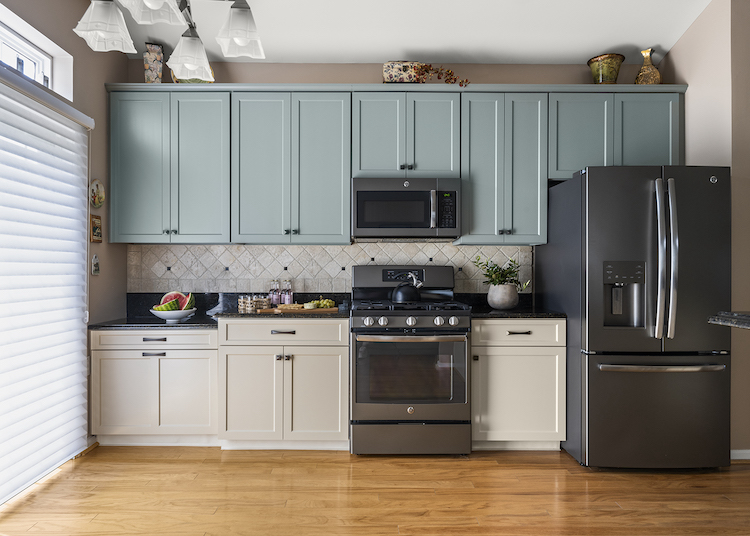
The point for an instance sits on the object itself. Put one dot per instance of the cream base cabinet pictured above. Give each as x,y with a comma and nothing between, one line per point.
518,383
149,384
295,391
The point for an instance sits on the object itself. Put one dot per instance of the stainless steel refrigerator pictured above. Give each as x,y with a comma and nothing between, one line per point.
638,258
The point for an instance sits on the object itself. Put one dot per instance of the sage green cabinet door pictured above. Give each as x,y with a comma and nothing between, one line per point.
378,135
140,167
200,168
433,136
525,168
648,129
321,165
406,135
581,132
504,168
261,159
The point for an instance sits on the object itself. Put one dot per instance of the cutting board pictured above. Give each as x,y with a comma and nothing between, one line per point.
319,310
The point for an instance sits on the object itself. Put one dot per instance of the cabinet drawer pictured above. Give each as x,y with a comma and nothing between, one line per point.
153,339
311,331
518,332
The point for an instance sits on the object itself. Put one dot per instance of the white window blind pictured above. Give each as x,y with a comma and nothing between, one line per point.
43,263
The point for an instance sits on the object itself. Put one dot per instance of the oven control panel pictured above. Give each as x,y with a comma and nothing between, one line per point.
402,275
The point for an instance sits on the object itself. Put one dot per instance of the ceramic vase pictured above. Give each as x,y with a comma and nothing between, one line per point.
153,60
648,74
502,296
400,72
605,68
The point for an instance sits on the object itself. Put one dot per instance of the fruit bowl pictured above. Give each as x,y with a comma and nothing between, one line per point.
172,317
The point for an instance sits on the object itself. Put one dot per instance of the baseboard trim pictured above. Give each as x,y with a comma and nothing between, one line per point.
515,445
739,454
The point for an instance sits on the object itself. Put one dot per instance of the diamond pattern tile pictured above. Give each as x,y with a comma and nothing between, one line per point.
188,268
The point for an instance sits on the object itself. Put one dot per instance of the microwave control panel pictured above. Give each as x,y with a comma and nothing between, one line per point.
447,209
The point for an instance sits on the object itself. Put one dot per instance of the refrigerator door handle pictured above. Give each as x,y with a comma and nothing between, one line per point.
661,261
673,257
661,368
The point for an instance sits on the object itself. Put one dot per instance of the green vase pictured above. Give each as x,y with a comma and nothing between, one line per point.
605,68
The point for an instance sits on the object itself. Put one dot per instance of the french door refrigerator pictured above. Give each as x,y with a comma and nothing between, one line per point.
638,258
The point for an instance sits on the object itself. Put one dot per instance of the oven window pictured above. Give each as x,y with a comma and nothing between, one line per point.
404,372
393,209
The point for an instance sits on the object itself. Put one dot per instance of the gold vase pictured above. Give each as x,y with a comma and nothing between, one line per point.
648,74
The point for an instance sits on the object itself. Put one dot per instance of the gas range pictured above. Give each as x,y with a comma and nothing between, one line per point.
373,310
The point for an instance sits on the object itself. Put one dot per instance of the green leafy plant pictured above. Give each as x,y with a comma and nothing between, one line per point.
500,275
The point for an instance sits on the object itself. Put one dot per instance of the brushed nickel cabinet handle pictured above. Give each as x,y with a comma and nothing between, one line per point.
519,332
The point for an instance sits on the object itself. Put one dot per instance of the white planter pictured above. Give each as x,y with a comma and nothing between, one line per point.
502,296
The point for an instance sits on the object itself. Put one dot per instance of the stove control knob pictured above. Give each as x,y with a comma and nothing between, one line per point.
453,321
368,321
439,320
383,321
411,321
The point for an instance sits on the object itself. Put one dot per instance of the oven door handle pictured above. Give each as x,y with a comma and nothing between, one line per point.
411,338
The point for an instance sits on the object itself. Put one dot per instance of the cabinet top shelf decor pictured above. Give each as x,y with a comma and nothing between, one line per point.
421,88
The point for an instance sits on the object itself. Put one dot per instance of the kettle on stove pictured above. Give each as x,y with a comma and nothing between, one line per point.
407,291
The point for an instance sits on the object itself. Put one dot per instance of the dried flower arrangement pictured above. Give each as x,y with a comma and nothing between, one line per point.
426,71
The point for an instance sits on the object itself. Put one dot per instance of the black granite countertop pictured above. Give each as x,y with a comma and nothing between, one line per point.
525,308
739,319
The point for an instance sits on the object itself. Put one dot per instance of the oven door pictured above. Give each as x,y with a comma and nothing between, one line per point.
408,378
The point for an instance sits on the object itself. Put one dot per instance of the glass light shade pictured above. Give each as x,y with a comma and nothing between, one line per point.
153,11
239,36
103,28
189,60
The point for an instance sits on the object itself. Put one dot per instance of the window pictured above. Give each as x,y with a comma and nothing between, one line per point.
24,56
43,285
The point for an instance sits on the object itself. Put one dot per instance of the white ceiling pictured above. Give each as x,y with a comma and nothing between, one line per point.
442,31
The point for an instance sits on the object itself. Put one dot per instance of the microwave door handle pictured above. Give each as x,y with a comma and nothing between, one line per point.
433,209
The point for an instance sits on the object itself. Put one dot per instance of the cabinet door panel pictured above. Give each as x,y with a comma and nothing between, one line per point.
187,392
378,135
482,184
526,168
261,157
251,387
140,167
321,167
433,135
581,132
200,167
648,129
316,401
518,394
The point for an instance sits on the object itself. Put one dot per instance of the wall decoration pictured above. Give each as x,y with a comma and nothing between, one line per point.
96,193
95,265
96,228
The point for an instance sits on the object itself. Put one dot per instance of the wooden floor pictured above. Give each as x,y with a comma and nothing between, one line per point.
205,491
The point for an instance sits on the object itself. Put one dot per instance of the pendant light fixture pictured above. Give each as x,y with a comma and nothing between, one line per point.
239,35
154,11
189,60
103,28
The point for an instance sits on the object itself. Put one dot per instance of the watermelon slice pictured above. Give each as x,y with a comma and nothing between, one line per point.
172,295
171,305
183,302
189,301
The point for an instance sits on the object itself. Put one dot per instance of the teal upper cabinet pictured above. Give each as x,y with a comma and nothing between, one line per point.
648,129
405,135
620,129
170,167
291,168
581,132
504,167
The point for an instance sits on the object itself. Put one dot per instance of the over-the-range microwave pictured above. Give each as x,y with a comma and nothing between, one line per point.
405,208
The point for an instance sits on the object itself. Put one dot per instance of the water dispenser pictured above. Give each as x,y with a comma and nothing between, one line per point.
624,293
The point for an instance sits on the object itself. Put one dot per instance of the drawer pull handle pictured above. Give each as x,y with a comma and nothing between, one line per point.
279,332
475,357
154,339
154,354
519,333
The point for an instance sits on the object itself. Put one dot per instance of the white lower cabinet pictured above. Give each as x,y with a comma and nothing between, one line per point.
149,384
298,390
518,383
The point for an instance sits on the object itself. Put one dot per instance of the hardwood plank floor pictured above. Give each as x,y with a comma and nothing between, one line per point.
196,491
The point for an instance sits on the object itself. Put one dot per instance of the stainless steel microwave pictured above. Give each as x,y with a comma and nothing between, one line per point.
404,208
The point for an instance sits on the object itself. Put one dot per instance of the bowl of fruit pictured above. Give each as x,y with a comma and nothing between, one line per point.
174,306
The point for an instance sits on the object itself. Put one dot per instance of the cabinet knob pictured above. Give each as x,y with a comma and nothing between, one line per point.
501,231
166,231
402,166
286,231
278,357
174,231
287,357
295,231
475,357
410,166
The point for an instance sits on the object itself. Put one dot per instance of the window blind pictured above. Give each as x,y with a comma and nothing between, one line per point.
43,267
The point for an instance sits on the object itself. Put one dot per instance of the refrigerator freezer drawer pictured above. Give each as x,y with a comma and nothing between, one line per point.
657,412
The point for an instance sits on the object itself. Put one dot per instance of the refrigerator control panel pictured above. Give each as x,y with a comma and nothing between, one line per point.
624,272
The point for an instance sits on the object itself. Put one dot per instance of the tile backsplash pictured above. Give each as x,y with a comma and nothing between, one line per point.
250,268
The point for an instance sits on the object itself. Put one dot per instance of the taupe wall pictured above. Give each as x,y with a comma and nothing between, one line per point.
711,58
91,70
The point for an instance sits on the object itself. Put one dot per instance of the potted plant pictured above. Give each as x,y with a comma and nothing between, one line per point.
503,281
